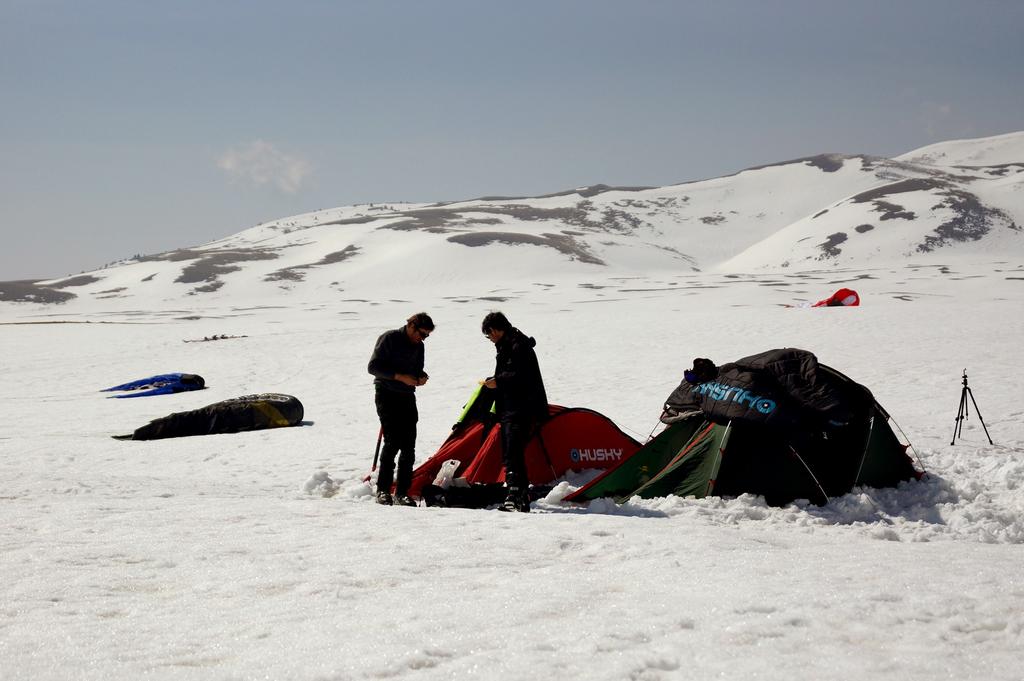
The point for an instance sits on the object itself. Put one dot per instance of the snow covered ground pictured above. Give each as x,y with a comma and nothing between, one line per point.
221,557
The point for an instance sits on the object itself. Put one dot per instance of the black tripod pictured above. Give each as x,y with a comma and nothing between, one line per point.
962,413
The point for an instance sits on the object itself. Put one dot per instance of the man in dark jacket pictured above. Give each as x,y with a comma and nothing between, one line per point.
397,367
520,402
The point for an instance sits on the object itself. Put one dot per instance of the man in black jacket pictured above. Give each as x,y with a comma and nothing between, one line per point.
520,401
397,367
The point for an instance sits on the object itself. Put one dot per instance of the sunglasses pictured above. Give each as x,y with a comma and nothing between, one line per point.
424,334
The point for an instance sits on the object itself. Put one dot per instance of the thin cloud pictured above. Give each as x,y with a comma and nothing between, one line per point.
262,164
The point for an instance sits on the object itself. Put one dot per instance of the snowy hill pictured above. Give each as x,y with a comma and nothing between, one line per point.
954,199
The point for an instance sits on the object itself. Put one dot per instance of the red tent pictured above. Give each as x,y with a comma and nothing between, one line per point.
572,439
844,297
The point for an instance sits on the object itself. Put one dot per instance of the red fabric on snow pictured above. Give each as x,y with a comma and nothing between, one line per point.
844,297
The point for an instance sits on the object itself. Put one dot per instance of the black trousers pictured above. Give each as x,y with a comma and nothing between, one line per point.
398,417
515,434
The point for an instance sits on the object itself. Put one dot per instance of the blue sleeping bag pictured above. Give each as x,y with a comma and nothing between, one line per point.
164,384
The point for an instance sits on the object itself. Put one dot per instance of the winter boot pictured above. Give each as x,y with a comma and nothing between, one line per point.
384,498
517,500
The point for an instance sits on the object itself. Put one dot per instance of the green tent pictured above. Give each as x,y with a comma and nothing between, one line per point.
696,457
693,471
640,468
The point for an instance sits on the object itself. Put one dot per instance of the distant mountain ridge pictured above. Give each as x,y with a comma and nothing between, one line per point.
963,197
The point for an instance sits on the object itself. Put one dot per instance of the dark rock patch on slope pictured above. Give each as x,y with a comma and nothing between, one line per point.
828,163
892,211
917,184
562,243
27,291
585,192
445,220
972,220
1000,170
81,280
830,247
209,266
297,272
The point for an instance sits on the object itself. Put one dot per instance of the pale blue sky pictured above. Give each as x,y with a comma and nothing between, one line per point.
134,127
